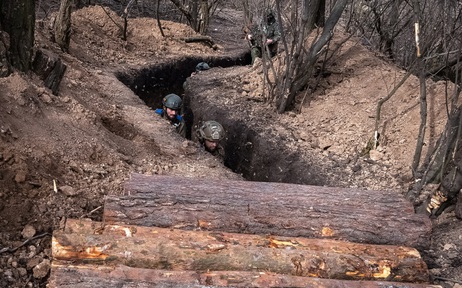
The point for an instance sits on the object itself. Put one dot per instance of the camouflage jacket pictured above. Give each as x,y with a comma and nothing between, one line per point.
271,31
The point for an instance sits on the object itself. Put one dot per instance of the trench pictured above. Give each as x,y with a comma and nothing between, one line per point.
247,152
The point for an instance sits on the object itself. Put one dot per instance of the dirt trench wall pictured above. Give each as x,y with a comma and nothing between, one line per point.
253,151
152,83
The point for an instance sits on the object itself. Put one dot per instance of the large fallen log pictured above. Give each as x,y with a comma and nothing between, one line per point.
378,217
163,248
64,275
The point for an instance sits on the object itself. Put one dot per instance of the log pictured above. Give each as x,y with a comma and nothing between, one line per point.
83,276
206,39
376,217
172,249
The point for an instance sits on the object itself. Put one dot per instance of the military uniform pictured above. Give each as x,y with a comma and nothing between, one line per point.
270,29
211,131
178,122
174,103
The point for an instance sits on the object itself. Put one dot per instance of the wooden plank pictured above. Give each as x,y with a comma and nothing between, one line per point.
163,248
64,275
377,217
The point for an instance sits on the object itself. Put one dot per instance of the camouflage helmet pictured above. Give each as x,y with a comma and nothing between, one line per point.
202,66
172,101
211,130
270,15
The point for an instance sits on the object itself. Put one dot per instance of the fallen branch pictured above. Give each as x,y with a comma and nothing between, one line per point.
12,250
206,39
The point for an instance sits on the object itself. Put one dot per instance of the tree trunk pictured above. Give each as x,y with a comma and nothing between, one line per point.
172,249
63,275
5,67
50,68
62,26
18,20
378,217
459,206
305,70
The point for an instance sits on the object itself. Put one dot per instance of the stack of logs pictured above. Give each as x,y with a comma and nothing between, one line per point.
191,232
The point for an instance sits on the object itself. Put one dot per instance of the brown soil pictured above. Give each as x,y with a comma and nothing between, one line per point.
96,131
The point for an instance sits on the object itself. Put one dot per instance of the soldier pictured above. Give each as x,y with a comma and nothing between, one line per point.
202,66
269,29
209,134
171,111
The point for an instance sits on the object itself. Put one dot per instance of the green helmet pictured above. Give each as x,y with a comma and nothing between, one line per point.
202,66
172,101
211,130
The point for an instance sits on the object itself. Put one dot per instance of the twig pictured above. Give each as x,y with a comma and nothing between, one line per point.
447,279
12,250
91,212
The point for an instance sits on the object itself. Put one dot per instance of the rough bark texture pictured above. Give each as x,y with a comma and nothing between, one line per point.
377,217
17,18
50,68
459,206
5,68
64,275
62,26
162,248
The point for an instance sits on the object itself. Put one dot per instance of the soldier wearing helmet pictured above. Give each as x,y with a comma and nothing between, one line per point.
268,30
202,66
209,134
171,111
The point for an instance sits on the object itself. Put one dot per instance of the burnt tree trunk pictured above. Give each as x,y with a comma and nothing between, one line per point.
50,68
170,249
65,275
18,20
5,67
377,217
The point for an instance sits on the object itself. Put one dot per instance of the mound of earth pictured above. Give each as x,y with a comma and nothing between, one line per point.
61,154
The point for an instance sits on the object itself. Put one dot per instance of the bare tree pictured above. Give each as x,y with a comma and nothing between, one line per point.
300,61
197,12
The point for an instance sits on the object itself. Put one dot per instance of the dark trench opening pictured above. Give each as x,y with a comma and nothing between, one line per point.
246,153
151,84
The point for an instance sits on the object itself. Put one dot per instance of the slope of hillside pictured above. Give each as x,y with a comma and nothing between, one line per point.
60,154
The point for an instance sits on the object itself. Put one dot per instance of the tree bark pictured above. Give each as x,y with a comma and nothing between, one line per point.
62,25
17,18
5,67
170,249
303,75
377,217
78,276
50,68
459,206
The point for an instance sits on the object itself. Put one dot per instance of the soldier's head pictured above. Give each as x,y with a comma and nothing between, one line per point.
270,18
172,105
210,133
202,66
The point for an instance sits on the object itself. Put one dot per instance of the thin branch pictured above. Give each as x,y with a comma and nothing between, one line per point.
447,279
12,250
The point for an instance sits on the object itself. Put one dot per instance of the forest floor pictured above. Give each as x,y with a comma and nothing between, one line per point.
89,138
